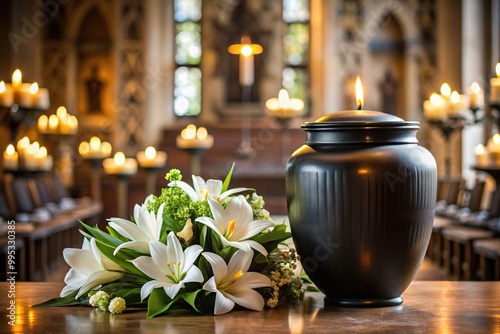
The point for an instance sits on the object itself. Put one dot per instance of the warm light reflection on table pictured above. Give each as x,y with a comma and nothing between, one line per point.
429,307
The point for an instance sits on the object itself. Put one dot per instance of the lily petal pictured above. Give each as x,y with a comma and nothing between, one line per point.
81,260
187,189
190,255
148,287
172,291
193,275
149,267
98,278
140,246
222,304
251,280
231,192
247,298
214,188
218,265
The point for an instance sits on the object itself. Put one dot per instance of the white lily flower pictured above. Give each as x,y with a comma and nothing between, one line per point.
169,266
235,224
203,190
233,284
89,269
147,228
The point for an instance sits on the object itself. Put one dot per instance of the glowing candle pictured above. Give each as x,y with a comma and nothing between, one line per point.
476,96
445,90
283,106
10,158
6,95
495,87
150,158
119,164
359,94
17,79
435,107
191,138
481,154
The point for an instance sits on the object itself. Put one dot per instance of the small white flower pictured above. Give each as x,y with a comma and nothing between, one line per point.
203,190
235,224
147,228
233,284
89,269
169,266
117,305
94,299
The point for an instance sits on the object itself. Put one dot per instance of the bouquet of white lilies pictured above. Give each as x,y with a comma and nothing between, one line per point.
205,248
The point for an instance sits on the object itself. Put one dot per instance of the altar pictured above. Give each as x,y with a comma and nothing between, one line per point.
428,307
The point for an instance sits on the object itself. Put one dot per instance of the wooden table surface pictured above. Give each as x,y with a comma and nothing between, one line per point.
429,307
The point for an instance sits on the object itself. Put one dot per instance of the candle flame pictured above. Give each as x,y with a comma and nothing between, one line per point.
106,149
479,149
42,152
435,99
43,121
23,143
17,77
189,133
475,87
150,153
53,122
455,97
246,50
84,148
283,98
10,150
202,133
61,112
2,87
34,88
359,93
95,143
445,90
497,69
496,139
119,158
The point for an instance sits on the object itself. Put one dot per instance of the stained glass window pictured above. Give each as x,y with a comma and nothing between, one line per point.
296,40
187,78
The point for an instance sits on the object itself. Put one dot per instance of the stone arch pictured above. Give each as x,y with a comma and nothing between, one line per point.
80,13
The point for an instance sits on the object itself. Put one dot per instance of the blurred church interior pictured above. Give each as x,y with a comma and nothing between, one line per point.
130,75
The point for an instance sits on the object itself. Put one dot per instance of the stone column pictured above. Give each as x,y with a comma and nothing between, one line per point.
495,32
472,70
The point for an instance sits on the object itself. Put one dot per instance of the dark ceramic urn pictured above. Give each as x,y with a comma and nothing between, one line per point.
361,195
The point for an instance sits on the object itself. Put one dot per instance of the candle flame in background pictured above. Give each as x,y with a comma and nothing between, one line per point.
61,112
17,77
445,90
497,69
34,88
246,50
43,121
475,87
53,122
359,93
189,132
41,153
95,143
496,139
150,153
479,149
2,87
23,143
119,158
10,150
202,133
84,148
435,99
106,148
455,97
283,98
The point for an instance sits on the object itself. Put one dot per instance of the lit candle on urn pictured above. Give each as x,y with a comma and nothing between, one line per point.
120,165
150,158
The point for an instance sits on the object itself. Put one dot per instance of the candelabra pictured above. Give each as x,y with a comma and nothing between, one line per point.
15,116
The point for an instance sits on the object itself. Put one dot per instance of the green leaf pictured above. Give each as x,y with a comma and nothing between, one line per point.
271,239
203,236
190,298
312,288
205,267
227,180
103,237
159,302
62,301
121,259
170,224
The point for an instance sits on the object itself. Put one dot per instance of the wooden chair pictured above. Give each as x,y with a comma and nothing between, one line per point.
488,252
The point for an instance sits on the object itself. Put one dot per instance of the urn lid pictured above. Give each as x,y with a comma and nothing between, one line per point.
360,127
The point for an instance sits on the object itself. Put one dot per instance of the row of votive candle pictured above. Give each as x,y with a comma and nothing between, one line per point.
149,158
495,87
193,138
489,155
29,157
450,103
59,123
25,95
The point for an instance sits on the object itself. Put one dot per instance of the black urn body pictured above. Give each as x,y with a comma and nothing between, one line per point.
361,196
